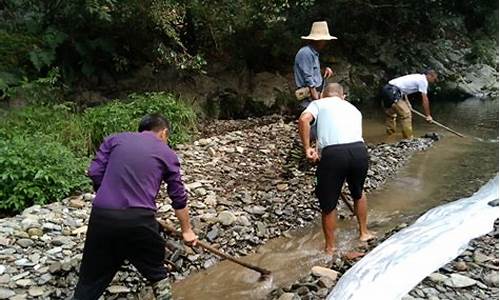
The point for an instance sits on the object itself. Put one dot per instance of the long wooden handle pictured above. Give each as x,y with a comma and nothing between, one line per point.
346,201
438,124
170,230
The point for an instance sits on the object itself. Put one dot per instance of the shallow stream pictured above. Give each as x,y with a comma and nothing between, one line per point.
454,167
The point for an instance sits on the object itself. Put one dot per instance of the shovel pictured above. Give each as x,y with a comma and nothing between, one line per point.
170,230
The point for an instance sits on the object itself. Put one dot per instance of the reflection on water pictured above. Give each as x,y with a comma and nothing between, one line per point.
454,167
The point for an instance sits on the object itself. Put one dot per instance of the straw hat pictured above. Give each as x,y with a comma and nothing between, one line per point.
319,32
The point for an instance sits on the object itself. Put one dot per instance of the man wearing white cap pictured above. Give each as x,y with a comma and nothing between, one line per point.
306,69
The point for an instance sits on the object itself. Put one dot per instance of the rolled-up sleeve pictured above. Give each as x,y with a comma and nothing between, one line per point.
98,165
175,187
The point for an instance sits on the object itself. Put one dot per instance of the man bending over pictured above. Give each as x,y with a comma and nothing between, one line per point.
342,156
126,173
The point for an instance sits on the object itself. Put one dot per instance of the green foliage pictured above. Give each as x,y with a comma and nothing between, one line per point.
14,48
484,51
44,150
36,170
45,55
94,38
57,123
119,116
83,133
41,91
103,39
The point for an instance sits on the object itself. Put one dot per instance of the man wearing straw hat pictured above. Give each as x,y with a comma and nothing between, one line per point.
306,69
308,77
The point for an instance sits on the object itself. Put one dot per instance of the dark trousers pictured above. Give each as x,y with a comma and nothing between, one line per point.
114,236
301,107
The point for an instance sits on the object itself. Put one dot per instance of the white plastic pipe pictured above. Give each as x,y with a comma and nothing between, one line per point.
397,265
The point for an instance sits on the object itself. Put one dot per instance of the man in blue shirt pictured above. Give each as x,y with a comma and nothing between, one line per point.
306,69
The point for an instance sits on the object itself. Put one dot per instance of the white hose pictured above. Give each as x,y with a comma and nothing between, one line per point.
397,265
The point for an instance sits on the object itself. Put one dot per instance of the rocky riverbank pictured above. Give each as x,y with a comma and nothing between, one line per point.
239,199
472,275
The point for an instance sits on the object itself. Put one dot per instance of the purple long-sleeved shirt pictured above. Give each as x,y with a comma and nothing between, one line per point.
128,169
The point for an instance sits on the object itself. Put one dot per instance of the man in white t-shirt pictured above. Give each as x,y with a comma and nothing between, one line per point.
342,156
396,102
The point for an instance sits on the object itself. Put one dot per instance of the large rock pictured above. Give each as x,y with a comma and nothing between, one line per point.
6,293
438,277
226,218
459,281
55,267
24,243
480,257
268,87
461,266
36,291
76,202
491,279
478,80
324,272
24,283
326,282
35,232
30,222
117,289
289,296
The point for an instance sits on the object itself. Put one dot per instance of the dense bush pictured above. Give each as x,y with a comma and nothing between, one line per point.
37,171
44,150
40,91
83,132
95,42
484,50
92,38
125,115
14,49
57,124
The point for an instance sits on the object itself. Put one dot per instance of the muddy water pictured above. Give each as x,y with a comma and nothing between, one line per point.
452,168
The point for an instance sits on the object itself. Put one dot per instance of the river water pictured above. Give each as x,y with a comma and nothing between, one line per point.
453,168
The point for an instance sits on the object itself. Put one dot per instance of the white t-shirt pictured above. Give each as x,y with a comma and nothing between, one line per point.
337,120
412,83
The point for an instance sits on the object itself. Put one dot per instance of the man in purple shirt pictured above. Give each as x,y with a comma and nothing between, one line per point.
126,173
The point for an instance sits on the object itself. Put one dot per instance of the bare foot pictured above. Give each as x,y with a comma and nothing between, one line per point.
330,251
365,237
351,255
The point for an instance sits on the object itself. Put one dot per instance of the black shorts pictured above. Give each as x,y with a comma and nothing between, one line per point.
339,163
